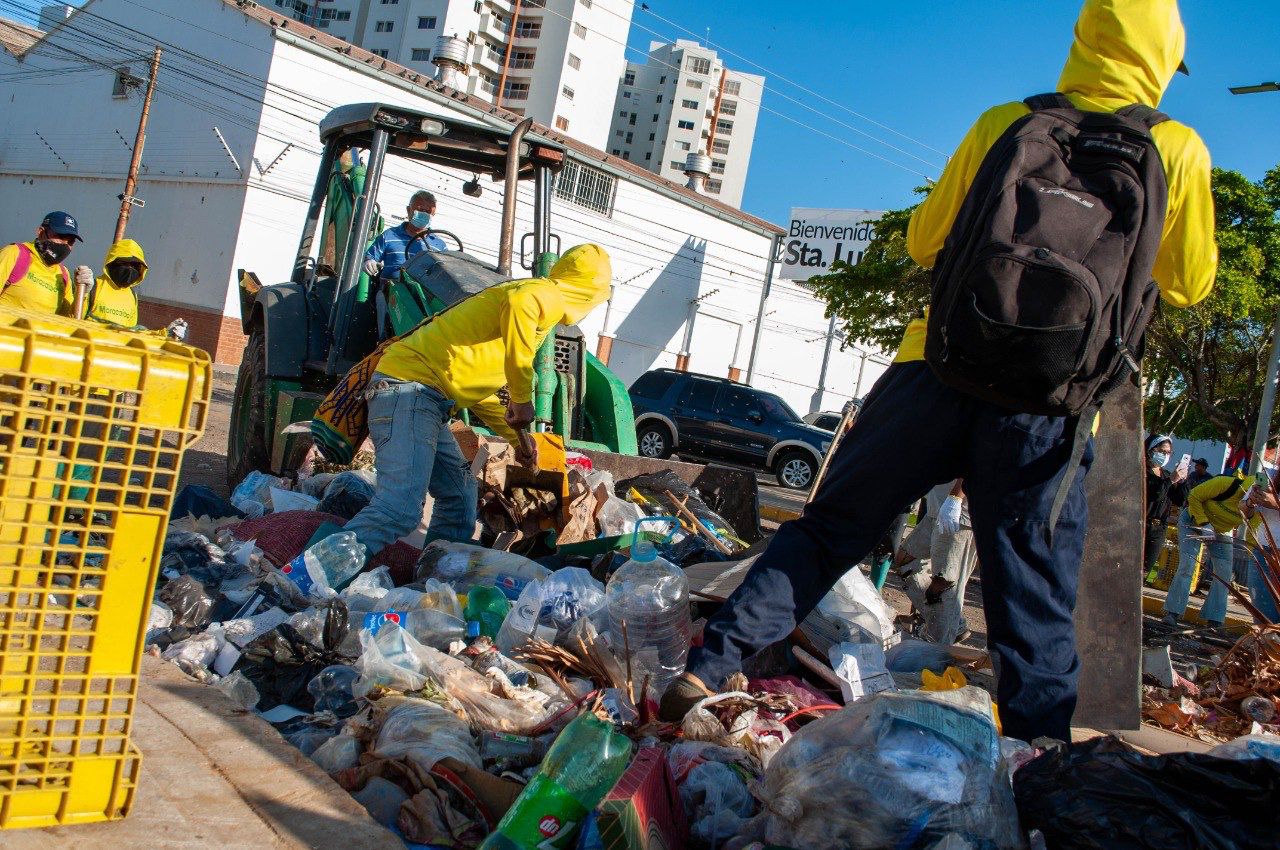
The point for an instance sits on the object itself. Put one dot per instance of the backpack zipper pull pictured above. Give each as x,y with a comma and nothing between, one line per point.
1126,354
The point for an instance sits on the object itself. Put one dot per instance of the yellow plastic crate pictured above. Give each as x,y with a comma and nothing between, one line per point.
1167,565
93,424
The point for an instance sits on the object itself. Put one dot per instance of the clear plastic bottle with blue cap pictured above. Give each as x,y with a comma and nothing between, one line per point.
650,596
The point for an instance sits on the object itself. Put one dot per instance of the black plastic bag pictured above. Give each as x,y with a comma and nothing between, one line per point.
1104,795
347,495
190,603
281,662
189,553
198,500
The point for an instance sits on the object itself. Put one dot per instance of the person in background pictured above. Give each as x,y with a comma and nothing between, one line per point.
1213,511
1199,473
113,299
1164,490
1268,536
32,274
945,539
396,246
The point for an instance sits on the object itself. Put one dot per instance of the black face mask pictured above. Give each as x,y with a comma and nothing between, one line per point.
124,274
52,252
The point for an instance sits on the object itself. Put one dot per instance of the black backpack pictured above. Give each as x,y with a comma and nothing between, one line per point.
1043,290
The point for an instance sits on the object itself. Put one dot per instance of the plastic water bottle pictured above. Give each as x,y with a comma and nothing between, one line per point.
488,607
583,765
428,626
650,596
327,566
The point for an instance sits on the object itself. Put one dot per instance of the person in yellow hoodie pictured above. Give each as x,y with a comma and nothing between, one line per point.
1214,510
459,361
914,432
113,299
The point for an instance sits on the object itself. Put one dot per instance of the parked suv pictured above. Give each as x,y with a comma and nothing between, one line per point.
715,417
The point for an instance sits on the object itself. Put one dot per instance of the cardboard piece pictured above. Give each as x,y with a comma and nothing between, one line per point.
643,811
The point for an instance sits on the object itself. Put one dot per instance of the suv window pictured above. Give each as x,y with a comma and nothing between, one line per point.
777,409
653,384
738,402
828,422
699,395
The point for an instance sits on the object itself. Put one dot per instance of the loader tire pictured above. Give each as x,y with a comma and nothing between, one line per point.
247,447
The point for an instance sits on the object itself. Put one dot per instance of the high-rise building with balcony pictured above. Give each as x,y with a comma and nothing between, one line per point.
683,101
557,61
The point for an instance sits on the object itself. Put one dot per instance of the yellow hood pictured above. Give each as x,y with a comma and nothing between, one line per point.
582,275
1125,51
125,249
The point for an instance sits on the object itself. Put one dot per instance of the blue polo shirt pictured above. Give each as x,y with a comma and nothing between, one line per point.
396,246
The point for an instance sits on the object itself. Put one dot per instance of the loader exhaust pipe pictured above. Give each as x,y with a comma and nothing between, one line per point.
507,239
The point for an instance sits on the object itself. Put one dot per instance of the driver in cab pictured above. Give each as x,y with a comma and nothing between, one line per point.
397,245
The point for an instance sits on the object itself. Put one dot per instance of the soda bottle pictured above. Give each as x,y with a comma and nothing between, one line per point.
327,566
487,606
650,596
583,764
428,626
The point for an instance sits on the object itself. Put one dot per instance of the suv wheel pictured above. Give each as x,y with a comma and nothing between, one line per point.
795,470
653,439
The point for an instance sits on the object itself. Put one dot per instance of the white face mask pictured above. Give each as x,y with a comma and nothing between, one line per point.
1159,458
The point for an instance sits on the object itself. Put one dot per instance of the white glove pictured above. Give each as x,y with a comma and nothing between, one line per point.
949,515
84,277
372,267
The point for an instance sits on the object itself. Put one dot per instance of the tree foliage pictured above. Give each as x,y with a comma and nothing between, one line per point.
1204,366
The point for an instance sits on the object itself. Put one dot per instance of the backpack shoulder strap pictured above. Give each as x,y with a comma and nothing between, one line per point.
20,266
1143,114
1231,490
1051,100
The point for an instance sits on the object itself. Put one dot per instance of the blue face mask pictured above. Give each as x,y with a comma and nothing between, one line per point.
421,220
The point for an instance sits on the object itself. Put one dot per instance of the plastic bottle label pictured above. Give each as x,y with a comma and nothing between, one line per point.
545,816
299,571
510,585
374,622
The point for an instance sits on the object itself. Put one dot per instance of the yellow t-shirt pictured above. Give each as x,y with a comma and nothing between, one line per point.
41,289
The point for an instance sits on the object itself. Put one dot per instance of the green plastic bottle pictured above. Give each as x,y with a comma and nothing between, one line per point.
487,606
583,765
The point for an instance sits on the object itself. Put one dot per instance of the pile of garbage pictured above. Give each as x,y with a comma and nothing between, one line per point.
477,696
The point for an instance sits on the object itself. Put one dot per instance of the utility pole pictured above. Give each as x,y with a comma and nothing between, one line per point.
131,182
774,245
815,403
1263,428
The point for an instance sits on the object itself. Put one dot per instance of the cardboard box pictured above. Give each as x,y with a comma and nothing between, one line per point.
643,811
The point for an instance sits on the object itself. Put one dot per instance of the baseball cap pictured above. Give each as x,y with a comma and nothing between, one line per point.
1200,462
62,224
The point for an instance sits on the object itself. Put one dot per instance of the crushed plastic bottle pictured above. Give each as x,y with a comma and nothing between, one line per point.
585,761
650,596
1258,708
327,566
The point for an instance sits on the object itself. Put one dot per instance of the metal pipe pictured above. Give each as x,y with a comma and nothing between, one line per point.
1263,429
351,261
302,261
506,239
774,247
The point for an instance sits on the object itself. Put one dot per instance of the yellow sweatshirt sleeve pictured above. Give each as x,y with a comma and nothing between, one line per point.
932,220
492,412
522,320
1187,261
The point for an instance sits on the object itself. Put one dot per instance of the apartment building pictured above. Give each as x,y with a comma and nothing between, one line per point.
683,100
557,61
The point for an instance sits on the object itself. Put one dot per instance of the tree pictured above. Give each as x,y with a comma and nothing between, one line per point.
1204,366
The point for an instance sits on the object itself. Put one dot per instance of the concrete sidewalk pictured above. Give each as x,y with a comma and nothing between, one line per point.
214,775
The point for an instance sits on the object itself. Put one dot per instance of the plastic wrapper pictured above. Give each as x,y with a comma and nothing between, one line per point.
348,493
289,500
256,488
853,612
159,619
331,690
1250,747
382,798
464,566
903,770
283,662
618,516
424,732
861,669
367,588
913,656
338,753
187,599
198,649
717,801
518,710
1104,794
239,690
549,608
389,658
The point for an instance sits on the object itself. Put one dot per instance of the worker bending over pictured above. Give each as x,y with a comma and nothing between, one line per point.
459,360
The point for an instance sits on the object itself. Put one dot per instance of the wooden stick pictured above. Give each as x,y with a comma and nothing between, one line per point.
698,524
1243,600
626,647
823,671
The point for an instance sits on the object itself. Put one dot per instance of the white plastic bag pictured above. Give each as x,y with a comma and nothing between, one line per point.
255,488
618,516
338,753
198,649
861,668
855,612
391,658
239,690
717,802
425,733
288,500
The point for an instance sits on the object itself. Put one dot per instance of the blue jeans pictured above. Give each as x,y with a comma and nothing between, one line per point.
914,433
1219,553
1258,592
417,454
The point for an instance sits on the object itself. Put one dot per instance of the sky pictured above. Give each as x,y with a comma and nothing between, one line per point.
926,68
901,80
